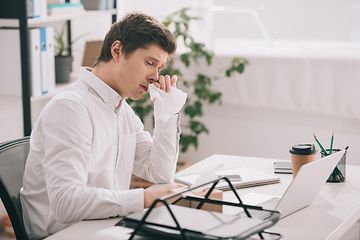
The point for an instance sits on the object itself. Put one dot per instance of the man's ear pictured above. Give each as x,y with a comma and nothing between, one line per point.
116,50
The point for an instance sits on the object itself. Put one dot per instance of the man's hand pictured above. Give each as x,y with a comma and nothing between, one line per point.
157,191
165,82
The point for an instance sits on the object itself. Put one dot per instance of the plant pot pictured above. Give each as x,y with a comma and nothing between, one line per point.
63,67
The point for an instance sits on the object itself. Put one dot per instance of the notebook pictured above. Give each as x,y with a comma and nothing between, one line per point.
240,178
302,190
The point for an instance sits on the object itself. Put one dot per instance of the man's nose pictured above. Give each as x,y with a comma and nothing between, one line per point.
154,76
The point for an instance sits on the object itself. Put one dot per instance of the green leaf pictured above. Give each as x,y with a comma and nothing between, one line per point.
228,72
209,56
214,97
240,68
198,127
167,21
194,109
185,58
187,140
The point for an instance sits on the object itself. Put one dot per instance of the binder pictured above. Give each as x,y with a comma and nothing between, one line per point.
176,222
33,8
36,8
47,60
42,61
35,62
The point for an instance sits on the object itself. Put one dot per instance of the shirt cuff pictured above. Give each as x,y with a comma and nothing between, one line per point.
133,201
169,125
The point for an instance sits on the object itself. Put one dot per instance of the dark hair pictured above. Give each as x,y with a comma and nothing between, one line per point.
136,30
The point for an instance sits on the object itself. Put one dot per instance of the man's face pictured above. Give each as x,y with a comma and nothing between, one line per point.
137,70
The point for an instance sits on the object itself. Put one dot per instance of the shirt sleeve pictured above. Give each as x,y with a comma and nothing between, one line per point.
67,138
156,156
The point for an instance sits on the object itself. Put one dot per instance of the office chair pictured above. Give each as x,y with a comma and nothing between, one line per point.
13,157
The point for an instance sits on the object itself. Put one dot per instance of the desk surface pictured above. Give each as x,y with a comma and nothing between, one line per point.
330,216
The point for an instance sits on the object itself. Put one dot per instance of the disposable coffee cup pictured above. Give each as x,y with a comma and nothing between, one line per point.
300,155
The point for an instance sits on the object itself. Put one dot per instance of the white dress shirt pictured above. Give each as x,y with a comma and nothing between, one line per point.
83,149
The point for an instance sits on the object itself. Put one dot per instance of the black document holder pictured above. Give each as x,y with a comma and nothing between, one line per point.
166,225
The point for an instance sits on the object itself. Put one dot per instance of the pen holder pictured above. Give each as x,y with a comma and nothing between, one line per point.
339,172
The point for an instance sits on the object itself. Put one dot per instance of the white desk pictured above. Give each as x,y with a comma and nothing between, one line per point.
332,214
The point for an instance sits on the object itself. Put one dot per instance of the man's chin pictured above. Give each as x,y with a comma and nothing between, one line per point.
134,98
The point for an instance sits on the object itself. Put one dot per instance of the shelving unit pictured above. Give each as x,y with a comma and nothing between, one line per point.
13,14
49,20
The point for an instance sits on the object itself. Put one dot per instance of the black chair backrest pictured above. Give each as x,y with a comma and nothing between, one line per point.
13,157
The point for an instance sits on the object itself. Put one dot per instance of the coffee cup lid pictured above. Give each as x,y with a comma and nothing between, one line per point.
303,149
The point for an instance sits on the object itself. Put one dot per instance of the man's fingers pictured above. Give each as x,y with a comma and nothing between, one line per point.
173,80
162,82
167,83
156,84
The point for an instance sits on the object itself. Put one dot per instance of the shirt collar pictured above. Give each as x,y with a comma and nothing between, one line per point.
105,92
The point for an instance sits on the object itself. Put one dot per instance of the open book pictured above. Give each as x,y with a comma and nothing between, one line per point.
248,178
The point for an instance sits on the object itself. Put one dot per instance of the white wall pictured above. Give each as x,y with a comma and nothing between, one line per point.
327,20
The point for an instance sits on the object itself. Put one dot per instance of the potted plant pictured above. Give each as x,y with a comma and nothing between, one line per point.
63,60
199,89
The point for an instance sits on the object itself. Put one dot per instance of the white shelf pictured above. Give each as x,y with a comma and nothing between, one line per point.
50,19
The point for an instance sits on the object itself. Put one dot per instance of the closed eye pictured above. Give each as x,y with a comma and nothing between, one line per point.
150,63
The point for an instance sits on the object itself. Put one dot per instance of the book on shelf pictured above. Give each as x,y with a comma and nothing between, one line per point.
61,8
36,8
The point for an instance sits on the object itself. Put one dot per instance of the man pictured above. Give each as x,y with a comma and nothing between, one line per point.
87,141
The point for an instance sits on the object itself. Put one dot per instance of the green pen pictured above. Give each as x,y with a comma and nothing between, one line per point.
318,142
331,143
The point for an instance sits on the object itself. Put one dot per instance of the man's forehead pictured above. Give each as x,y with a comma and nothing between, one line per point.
156,53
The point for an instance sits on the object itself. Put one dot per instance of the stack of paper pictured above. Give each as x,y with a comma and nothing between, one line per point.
248,178
282,167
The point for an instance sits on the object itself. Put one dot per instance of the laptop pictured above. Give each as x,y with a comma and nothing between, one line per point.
303,189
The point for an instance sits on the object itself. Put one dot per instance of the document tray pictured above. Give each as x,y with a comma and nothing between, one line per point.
177,222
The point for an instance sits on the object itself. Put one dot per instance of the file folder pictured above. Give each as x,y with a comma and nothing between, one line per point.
47,60
42,61
176,222
35,62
